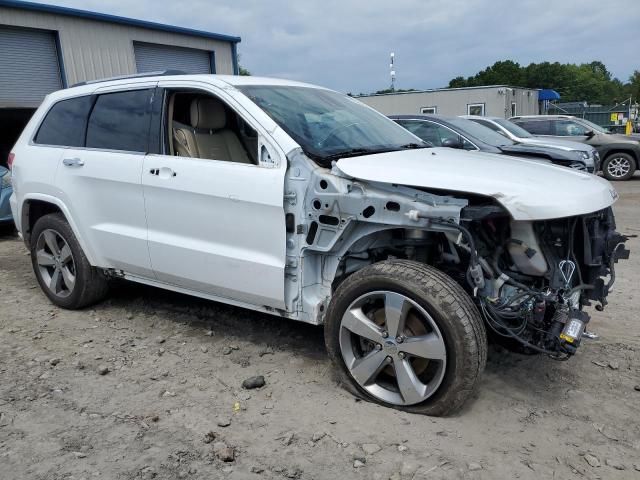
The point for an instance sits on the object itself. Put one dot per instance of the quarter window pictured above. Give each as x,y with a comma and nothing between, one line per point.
120,121
65,123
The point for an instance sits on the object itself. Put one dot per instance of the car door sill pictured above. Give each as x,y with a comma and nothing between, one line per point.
208,296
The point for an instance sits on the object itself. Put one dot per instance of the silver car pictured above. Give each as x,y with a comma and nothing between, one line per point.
518,134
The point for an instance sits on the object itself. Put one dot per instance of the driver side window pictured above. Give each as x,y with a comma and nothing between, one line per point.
199,125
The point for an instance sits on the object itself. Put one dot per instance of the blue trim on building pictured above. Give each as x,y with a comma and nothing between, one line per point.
212,55
234,58
103,17
63,72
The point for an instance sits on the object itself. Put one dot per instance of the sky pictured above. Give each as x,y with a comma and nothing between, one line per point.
345,44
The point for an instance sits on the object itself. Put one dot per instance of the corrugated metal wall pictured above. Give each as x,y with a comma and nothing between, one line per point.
151,57
92,49
455,101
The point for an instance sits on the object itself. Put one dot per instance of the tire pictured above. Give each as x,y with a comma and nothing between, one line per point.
452,322
76,284
618,166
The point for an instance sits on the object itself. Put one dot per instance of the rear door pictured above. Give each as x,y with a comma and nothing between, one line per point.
100,182
216,226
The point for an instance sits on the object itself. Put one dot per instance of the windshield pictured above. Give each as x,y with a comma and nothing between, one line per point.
593,126
513,128
482,133
328,124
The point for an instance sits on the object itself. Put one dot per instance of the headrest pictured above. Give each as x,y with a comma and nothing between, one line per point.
208,113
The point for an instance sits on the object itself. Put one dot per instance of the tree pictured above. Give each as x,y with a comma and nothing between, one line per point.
588,81
243,71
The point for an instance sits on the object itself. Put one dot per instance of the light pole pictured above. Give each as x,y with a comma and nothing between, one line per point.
392,72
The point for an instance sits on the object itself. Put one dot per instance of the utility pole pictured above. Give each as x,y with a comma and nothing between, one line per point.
392,72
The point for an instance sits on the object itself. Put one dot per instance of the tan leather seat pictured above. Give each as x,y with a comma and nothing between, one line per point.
209,137
184,140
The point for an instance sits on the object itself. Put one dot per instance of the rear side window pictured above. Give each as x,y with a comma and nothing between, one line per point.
65,123
120,121
536,127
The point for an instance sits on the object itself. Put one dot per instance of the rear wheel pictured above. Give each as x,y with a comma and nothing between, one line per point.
619,166
405,335
63,271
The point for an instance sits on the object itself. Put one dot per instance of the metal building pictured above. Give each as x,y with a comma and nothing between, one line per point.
44,48
494,100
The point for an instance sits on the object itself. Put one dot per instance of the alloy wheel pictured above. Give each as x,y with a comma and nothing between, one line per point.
618,167
393,348
55,263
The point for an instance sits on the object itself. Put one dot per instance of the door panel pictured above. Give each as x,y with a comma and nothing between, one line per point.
217,227
103,193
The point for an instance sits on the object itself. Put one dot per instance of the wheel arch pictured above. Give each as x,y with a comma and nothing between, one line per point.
35,206
614,150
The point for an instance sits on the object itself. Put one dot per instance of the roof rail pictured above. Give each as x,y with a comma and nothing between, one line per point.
160,73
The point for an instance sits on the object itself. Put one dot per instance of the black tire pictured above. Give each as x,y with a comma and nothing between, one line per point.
612,165
91,285
448,305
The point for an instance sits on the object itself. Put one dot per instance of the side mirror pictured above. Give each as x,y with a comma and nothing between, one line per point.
590,134
452,143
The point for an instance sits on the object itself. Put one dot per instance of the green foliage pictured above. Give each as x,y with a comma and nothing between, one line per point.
243,71
395,90
588,81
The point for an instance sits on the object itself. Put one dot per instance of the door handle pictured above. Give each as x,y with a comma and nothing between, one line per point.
73,162
164,172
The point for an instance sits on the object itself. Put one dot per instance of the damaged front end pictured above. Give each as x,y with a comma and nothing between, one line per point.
538,275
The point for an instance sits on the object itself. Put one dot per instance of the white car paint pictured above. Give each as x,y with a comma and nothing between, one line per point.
528,190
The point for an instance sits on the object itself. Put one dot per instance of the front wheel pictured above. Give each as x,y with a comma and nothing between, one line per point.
619,166
405,335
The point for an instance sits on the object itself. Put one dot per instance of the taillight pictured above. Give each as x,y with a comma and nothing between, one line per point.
10,159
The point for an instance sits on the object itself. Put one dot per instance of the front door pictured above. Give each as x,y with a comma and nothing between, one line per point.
214,211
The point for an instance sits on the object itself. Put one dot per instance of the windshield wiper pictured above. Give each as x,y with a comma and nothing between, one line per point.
354,152
409,146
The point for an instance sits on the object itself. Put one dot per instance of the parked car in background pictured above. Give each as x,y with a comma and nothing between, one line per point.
301,202
5,194
518,134
619,154
456,132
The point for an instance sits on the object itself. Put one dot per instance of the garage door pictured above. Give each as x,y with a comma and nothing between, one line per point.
151,57
29,67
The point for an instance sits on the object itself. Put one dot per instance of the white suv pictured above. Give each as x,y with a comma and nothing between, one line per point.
301,202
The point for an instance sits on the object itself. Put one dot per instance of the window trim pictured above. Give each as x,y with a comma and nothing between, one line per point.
433,112
470,105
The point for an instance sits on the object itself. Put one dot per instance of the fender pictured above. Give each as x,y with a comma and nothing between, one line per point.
65,211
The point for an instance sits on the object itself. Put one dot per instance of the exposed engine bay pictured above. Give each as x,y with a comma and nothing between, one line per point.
532,279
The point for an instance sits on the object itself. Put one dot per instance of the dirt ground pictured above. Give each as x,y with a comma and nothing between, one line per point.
175,367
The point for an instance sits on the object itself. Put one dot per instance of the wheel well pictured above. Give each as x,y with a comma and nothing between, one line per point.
628,152
31,212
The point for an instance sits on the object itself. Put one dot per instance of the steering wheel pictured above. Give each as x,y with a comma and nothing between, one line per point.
332,133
